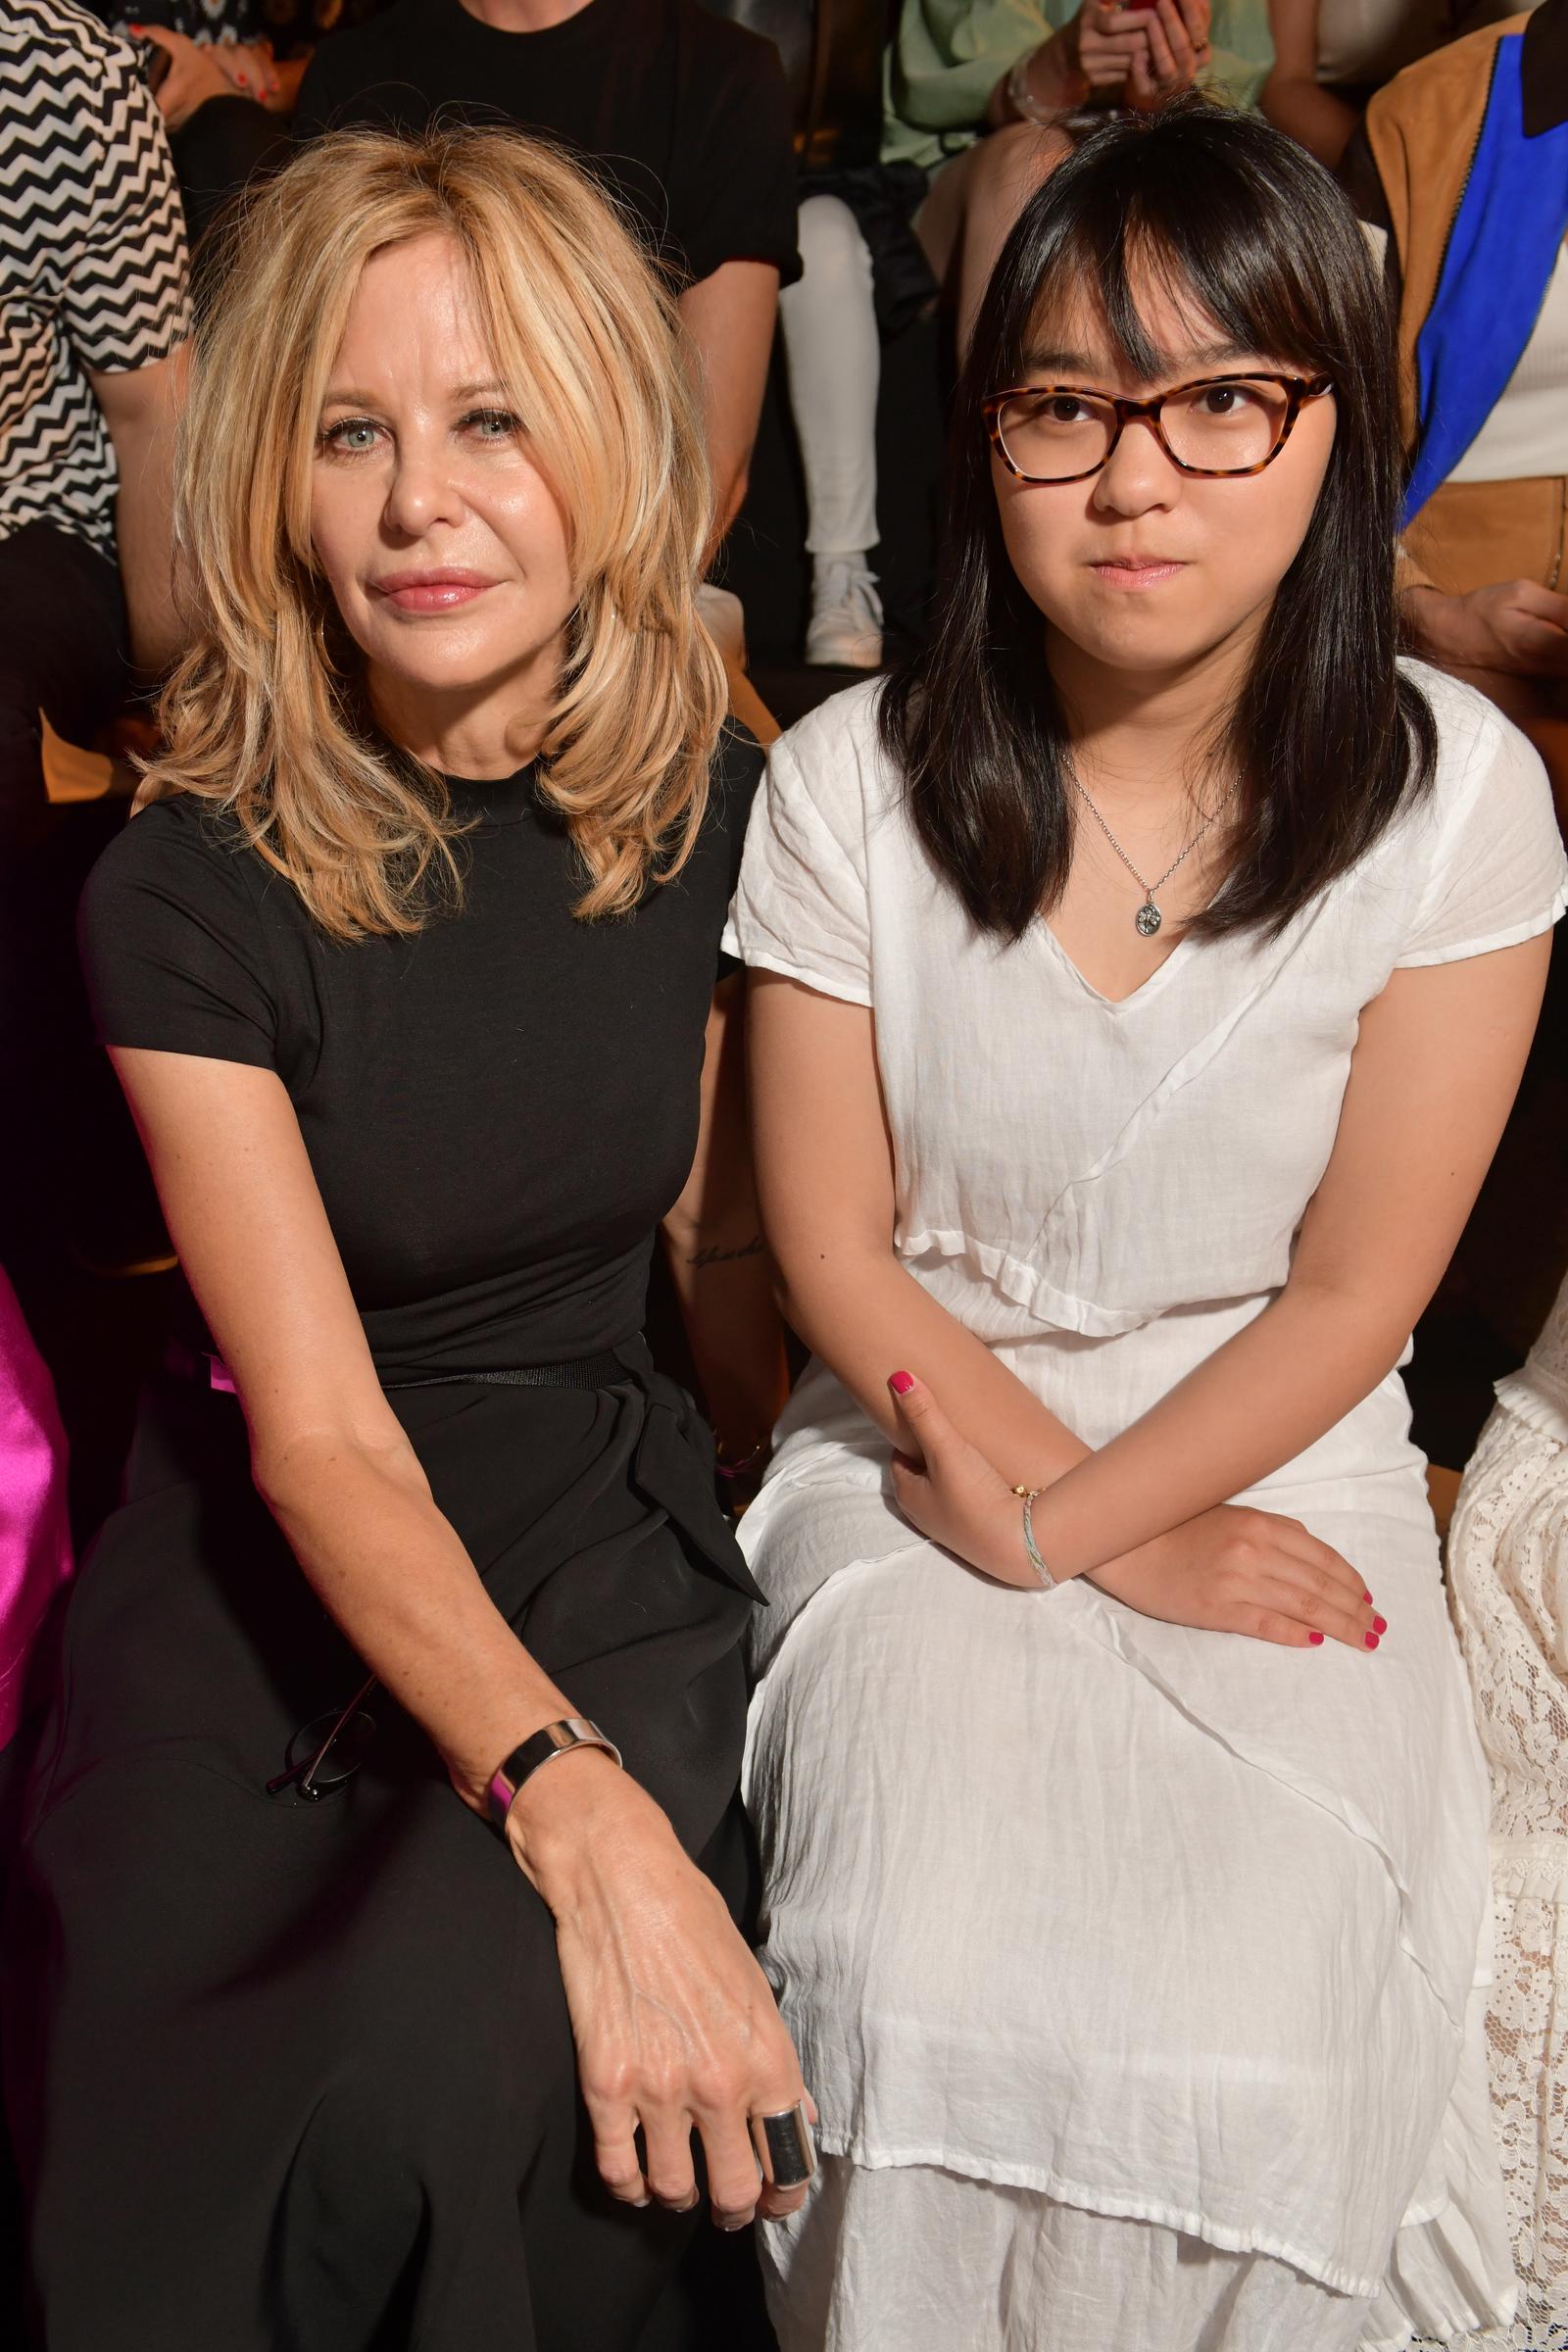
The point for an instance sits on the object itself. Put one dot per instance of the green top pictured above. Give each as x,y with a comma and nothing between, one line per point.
948,56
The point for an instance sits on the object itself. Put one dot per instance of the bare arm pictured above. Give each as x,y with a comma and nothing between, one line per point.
730,316
719,1260
141,408
825,1177
673,2021
1292,98
327,1453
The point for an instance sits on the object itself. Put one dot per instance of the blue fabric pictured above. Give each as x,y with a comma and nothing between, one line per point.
1500,256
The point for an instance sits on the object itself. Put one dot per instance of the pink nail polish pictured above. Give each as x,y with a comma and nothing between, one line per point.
1371,1641
1314,1639
901,1382
1380,1625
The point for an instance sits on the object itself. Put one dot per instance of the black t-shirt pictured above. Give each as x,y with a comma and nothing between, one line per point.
498,1111
682,113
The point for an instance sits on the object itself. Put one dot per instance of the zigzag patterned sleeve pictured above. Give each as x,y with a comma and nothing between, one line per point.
124,285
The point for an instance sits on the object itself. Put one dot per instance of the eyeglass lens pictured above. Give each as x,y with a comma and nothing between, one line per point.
1218,428
325,1753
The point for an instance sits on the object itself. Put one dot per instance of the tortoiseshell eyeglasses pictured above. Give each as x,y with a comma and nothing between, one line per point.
1219,425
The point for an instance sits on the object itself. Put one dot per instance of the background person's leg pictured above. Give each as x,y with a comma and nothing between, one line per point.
833,353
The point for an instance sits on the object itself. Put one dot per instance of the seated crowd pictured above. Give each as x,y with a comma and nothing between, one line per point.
847,1289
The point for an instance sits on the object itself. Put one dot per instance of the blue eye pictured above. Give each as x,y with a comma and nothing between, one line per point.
492,425
351,436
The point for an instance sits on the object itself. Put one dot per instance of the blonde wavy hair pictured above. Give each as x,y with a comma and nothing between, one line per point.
263,717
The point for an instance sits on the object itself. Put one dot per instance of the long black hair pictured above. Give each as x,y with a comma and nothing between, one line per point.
1327,740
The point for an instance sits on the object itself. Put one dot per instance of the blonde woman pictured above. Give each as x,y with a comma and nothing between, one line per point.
407,974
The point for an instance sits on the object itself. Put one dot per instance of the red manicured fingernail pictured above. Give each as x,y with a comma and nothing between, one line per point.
901,1382
1371,1641
1367,1598
1314,1637
1380,1625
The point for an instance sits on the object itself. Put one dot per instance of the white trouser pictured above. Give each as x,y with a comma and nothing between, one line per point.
834,357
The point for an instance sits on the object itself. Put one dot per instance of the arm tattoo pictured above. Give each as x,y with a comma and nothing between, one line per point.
712,1255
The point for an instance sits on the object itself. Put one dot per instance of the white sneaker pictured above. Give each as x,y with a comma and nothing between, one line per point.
846,625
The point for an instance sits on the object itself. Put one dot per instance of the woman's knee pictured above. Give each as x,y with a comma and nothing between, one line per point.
834,254
1011,164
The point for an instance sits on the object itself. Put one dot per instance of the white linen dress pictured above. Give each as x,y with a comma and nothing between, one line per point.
1135,1924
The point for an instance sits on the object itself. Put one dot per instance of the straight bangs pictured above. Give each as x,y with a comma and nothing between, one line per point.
264,717
1327,741
1191,235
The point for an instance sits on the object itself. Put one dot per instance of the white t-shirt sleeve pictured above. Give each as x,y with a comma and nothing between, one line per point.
800,907
1497,874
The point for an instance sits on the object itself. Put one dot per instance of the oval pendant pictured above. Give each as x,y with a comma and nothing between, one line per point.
1148,919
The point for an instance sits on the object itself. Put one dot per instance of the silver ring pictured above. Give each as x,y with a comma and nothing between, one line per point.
785,2148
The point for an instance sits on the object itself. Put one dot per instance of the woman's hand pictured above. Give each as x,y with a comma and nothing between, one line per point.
947,1489
1110,43
675,2025
250,69
1236,1570
1175,53
194,74
1515,625
1233,1570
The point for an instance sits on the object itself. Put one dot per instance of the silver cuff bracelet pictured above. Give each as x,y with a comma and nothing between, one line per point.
556,1740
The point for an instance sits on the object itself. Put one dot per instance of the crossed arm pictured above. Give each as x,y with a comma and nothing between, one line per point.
141,407
729,316
1434,1073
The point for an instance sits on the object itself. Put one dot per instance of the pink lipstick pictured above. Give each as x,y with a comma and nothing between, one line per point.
444,590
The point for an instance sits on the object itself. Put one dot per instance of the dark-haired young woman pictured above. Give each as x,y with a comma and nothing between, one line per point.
1141,984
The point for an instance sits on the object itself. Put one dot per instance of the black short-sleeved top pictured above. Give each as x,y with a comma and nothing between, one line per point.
683,113
498,1111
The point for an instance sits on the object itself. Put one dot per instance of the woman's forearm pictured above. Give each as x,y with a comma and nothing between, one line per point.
390,1567
868,1317
725,1287
1257,1403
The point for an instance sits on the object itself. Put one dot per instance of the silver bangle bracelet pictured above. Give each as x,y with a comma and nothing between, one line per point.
556,1740
1030,1496
1022,99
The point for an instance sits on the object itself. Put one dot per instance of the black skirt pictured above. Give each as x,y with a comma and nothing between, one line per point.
293,2077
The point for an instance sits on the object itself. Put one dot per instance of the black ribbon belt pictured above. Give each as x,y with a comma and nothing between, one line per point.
601,1371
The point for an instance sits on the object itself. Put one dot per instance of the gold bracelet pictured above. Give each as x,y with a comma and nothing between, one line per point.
1030,1496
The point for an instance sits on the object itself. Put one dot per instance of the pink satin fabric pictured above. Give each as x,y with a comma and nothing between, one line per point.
35,1535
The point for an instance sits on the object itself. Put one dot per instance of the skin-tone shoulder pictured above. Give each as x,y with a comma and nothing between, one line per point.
1153,587
448,556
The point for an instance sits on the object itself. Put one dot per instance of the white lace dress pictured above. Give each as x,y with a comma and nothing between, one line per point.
1139,1972
1508,1581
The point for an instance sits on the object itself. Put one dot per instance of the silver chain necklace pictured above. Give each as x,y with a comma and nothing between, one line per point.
1148,919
